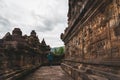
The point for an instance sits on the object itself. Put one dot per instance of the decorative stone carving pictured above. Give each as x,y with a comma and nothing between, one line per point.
17,31
19,52
117,31
92,39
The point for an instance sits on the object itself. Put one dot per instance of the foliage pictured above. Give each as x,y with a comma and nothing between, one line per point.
61,51
55,51
58,50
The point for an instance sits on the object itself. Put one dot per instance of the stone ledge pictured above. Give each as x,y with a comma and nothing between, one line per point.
95,62
78,74
17,74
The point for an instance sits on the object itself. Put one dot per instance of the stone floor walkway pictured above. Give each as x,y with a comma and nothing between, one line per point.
49,73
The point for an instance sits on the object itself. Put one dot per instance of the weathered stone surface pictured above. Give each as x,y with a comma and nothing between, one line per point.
49,73
93,37
18,52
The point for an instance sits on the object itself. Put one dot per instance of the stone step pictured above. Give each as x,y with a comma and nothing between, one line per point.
94,77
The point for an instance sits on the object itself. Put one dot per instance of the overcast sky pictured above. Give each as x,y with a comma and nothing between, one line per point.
47,17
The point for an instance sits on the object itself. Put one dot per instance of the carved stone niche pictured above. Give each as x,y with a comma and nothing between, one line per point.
118,2
117,31
115,50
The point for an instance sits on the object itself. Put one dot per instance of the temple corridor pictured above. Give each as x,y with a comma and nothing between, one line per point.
48,73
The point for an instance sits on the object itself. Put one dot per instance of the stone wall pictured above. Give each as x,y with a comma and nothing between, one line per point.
92,35
20,54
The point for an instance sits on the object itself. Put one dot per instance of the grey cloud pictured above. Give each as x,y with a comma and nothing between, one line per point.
45,24
49,23
55,15
39,15
4,24
19,16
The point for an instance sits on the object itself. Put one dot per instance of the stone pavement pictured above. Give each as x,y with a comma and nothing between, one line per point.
49,73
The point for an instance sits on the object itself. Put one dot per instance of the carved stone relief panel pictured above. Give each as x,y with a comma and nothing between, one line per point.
118,2
115,52
117,31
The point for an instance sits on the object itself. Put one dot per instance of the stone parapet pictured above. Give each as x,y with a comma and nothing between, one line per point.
17,74
81,71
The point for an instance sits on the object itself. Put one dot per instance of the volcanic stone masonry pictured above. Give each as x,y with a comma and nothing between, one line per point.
19,52
92,40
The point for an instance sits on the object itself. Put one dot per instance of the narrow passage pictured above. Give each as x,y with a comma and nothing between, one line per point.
49,73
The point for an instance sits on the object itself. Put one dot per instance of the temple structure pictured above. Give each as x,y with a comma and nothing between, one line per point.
19,52
92,39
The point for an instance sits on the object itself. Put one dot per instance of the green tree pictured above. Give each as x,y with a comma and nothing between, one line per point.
55,51
61,51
